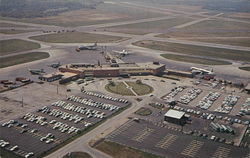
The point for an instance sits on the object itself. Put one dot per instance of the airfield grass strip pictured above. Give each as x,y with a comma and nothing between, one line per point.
196,60
246,68
22,58
188,49
16,45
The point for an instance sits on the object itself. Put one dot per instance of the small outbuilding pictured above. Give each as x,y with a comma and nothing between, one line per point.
174,116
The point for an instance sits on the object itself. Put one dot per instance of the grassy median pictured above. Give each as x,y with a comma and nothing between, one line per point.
16,45
196,50
120,151
195,60
246,68
77,37
22,58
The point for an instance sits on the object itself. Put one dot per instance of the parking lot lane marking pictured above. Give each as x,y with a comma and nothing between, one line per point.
192,148
166,141
121,129
221,152
248,155
143,134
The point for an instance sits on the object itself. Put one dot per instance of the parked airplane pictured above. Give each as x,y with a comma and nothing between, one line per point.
36,71
123,52
55,65
201,70
91,47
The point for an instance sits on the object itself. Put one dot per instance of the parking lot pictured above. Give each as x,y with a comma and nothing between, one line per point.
36,132
212,99
171,142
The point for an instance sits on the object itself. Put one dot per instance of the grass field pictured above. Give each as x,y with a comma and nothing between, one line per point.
144,111
22,58
120,151
119,88
246,68
77,37
196,50
16,45
228,41
14,31
212,28
148,27
77,155
140,89
104,13
3,24
195,60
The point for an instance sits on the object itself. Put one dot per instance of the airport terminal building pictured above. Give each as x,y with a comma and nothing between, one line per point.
115,70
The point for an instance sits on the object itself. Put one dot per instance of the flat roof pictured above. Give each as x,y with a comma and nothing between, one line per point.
175,114
67,74
149,65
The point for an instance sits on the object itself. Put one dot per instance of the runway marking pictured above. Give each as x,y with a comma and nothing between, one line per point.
221,152
192,148
166,141
143,134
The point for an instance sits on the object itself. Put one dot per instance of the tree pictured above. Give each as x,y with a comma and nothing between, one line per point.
138,82
112,83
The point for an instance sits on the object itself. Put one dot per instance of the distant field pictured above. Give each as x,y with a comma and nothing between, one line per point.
238,15
16,45
148,27
228,41
15,31
246,68
104,13
120,151
195,60
77,37
3,24
209,28
22,58
196,50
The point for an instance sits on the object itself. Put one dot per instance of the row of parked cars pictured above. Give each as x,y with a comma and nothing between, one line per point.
190,95
196,112
79,109
63,127
174,92
208,100
228,104
49,138
245,108
63,115
106,97
93,103
36,119
221,128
